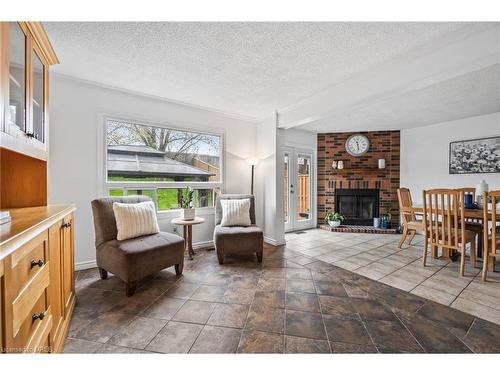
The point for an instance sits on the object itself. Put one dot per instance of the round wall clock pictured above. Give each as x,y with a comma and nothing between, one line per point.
357,144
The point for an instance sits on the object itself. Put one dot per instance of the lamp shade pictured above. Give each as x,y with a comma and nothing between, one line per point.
252,161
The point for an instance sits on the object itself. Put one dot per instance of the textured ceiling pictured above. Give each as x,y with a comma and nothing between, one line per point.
471,94
250,69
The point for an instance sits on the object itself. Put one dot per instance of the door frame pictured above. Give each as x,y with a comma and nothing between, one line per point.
293,224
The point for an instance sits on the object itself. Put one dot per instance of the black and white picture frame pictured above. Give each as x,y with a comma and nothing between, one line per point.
475,156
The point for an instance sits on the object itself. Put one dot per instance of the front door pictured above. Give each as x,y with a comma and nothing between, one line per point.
298,189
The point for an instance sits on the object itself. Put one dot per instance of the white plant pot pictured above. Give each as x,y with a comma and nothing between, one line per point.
334,224
187,214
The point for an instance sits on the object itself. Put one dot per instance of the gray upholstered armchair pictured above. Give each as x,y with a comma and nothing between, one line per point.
135,258
237,240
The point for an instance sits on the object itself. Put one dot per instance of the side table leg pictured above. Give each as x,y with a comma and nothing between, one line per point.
190,242
185,234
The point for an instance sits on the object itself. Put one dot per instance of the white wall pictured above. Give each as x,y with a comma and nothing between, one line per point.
424,154
266,182
76,118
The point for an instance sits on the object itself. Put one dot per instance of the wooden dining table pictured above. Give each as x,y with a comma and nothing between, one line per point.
471,214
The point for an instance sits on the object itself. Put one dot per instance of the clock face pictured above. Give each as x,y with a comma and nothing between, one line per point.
357,144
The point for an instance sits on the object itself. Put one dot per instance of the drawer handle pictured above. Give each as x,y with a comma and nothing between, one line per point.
38,316
66,225
38,263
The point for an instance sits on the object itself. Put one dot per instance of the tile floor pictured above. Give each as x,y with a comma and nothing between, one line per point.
378,258
296,301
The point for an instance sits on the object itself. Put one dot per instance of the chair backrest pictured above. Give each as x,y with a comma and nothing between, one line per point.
218,206
468,190
405,204
443,217
472,191
104,217
495,199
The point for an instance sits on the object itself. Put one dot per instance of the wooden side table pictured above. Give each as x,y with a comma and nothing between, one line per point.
188,232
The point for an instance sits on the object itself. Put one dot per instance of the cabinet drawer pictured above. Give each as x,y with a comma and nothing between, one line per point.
30,331
31,300
26,262
39,341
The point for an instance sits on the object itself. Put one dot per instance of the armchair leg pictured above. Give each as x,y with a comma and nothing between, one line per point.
103,273
220,257
130,288
259,256
179,267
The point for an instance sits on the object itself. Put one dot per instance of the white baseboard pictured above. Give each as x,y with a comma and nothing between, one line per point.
92,263
272,241
85,265
201,245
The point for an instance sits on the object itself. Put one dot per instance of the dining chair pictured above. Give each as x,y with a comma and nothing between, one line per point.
444,224
410,223
475,225
491,242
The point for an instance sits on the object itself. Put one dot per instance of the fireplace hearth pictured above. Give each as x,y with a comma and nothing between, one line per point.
359,206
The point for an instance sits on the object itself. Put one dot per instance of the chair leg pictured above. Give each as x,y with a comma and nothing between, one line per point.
403,236
485,264
103,273
426,245
462,260
220,257
473,253
179,267
434,250
412,236
130,288
259,256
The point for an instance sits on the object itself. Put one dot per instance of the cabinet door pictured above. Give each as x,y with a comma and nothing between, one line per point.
38,96
67,263
16,111
55,288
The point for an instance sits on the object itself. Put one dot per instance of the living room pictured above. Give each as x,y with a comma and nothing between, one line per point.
250,187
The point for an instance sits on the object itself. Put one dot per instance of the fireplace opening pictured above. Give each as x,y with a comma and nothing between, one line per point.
359,206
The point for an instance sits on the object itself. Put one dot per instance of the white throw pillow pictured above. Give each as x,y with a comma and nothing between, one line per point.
235,212
135,219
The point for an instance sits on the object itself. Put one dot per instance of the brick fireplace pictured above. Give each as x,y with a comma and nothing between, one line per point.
359,177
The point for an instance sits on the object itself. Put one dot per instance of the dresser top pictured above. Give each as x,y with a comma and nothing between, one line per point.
28,222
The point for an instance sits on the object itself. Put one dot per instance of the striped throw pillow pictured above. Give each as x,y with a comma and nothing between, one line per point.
135,219
235,212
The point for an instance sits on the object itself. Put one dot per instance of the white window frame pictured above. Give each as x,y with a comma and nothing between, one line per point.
105,186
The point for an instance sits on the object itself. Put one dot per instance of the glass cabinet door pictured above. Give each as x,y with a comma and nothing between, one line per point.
17,79
38,114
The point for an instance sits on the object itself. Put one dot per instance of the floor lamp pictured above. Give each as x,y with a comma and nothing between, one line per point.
253,162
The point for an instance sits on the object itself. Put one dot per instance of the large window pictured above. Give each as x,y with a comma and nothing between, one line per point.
162,162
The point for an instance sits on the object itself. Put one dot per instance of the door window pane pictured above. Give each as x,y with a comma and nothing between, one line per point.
38,97
17,77
303,188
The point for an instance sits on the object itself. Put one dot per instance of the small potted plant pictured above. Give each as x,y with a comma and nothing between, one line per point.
386,218
186,202
334,219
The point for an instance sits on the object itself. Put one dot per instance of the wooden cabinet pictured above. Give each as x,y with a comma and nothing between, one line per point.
37,291
26,55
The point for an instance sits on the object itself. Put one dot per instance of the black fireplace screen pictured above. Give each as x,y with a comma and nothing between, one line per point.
359,206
